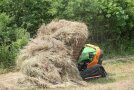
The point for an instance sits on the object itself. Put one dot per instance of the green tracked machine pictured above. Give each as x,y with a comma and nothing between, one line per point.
90,62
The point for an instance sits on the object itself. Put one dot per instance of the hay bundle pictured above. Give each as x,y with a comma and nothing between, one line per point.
72,34
48,60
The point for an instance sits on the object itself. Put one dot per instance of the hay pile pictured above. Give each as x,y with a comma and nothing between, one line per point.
49,60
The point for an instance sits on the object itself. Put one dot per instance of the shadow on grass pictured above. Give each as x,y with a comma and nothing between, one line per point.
108,79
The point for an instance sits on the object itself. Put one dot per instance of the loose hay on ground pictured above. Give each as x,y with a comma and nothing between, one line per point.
49,60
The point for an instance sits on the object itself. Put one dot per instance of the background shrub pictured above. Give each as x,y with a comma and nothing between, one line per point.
110,22
11,40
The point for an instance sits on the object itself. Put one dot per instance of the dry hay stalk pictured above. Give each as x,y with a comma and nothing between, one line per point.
49,59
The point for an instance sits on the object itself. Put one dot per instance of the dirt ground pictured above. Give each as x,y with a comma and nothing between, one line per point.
120,77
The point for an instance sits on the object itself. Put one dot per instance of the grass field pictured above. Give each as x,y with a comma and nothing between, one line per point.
120,76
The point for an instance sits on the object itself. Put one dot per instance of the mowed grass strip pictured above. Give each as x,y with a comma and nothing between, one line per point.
120,77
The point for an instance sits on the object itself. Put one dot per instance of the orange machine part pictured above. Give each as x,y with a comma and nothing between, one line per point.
96,57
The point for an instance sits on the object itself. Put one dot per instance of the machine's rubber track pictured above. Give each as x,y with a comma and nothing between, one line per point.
94,72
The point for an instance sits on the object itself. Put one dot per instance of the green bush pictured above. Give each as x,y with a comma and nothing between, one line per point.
118,26
29,14
11,40
111,22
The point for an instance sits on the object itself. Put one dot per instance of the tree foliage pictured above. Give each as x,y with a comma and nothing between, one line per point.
110,22
11,40
29,14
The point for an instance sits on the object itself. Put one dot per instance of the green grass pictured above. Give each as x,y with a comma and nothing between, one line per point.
120,77
4,71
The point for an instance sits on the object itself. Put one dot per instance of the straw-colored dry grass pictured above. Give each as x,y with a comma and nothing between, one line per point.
49,60
120,76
